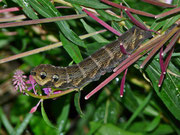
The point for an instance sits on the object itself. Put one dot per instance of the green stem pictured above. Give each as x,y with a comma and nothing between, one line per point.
50,96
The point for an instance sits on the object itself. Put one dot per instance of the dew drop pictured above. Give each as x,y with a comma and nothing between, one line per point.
112,112
117,79
168,1
25,3
5,6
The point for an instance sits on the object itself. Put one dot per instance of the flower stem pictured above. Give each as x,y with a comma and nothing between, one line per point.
50,96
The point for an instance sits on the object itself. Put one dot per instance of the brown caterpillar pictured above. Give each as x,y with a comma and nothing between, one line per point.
91,68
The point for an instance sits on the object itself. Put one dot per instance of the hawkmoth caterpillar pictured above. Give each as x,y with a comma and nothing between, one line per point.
93,67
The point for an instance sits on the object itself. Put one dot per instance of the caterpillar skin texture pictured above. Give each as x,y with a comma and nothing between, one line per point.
90,69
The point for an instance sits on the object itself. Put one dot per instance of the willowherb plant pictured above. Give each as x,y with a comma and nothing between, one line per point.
126,63
166,33
19,80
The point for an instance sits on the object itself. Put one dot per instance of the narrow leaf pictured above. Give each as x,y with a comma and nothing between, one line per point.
22,127
63,25
45,117
138,110
5,122
72,49
26,8
155,122
109,16
170,89
89,3
89,29
63,117
77,103
110,129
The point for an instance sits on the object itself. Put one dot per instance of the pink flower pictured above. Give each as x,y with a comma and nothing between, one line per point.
47,91
35,107
33,83
19,80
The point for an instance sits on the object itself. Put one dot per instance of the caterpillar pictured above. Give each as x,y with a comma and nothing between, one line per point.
93,67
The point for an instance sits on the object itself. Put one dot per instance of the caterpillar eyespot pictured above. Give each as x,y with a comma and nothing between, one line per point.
93,67
55,78
43,75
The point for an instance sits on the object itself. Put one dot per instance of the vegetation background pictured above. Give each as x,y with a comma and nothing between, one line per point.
144,108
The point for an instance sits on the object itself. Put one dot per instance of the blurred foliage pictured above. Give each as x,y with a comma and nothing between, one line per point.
144,109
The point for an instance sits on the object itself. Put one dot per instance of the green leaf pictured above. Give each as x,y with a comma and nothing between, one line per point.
63,117
129,99
113,110
138,110
25,42
4,42
94,126
49,6
176,2
170,22
45,117
153,124
22,127
89,29
4,1
173,68
109,16
116,26
170,89
108,110
110,129
72,49
151,110
5,122
32,60
48,10
39,127
138,126
77,104
163,129
157,25
176,62
26,8
89,3
40,9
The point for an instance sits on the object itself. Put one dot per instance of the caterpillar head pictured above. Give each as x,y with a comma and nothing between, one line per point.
45,75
